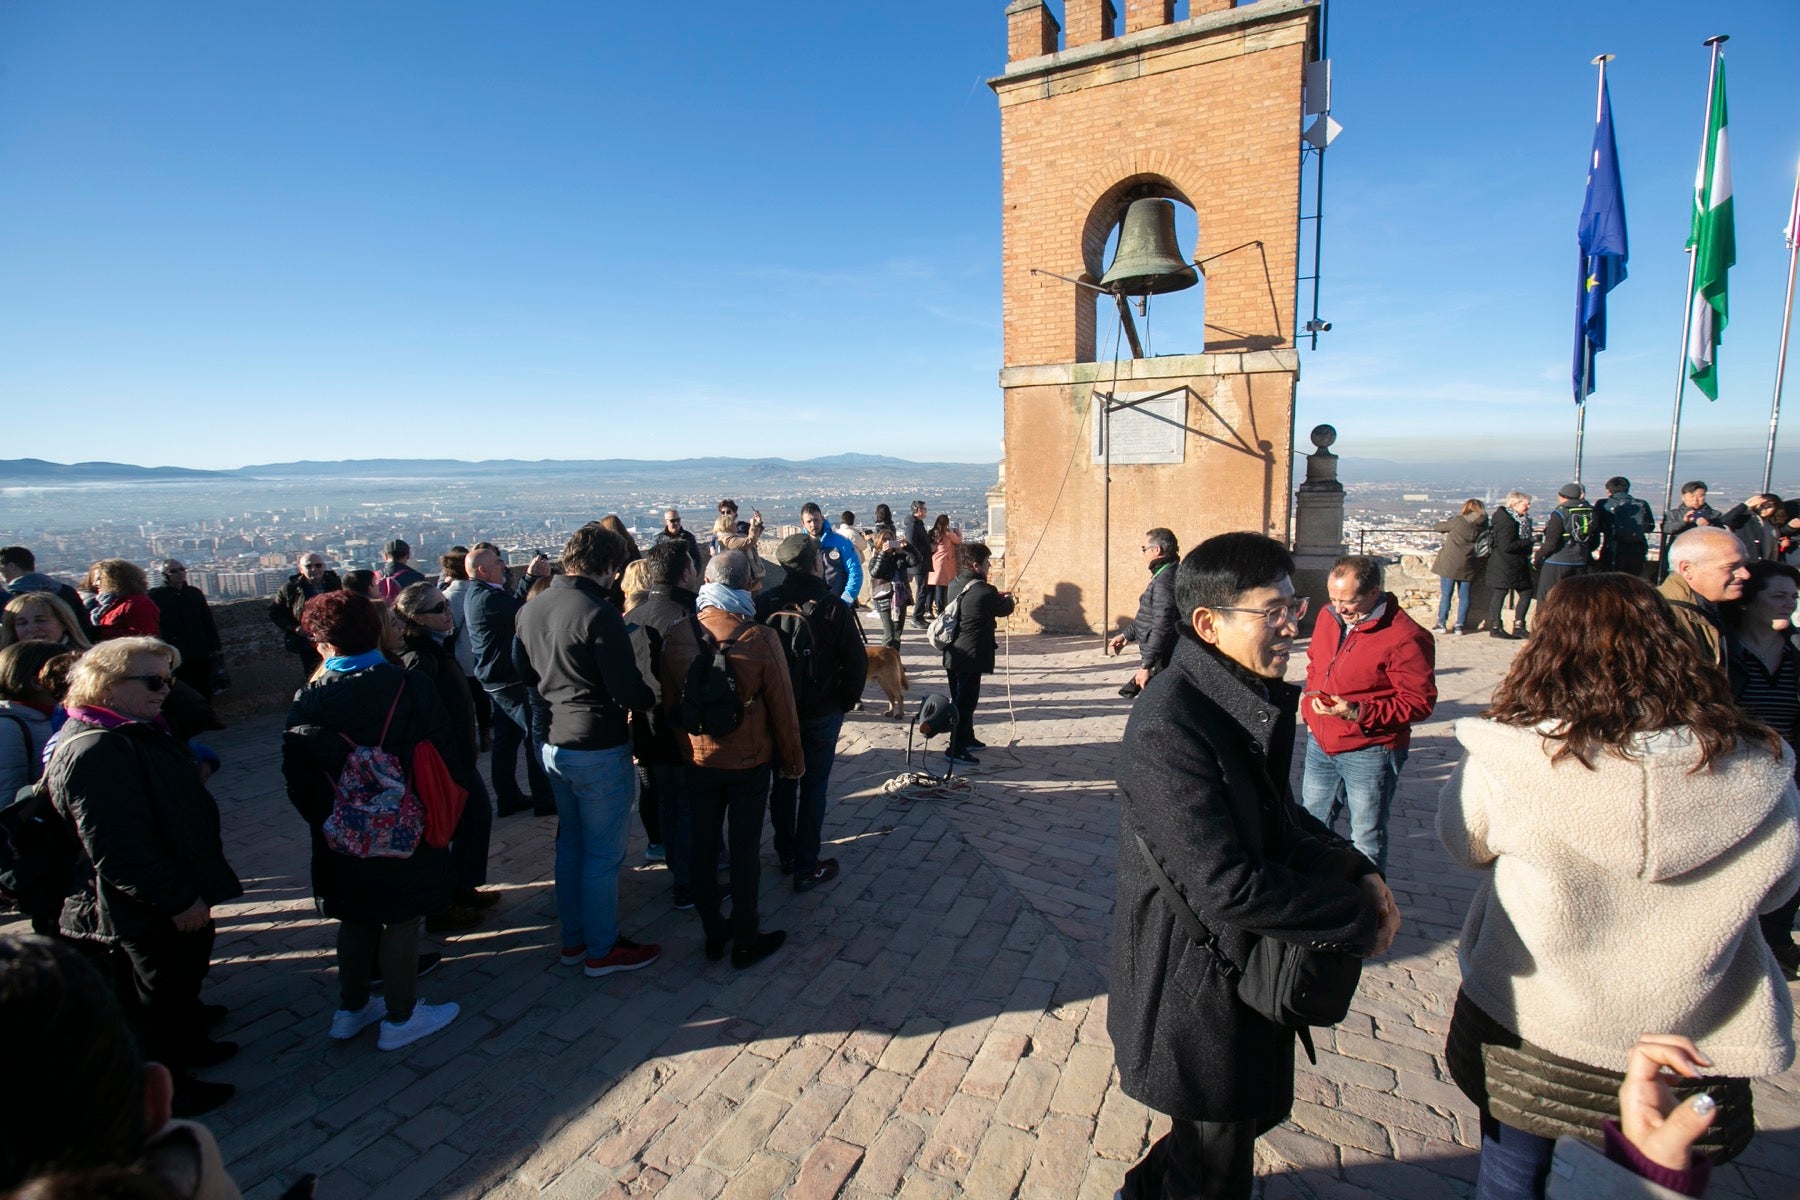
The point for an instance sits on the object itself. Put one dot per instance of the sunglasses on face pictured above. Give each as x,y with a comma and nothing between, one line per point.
154,683
442,606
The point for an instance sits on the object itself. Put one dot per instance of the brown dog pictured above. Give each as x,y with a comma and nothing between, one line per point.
886,669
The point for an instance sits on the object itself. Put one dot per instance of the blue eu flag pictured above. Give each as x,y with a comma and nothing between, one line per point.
1603,251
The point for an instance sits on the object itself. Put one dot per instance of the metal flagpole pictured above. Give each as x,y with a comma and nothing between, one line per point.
1587,353
1687,315
1787,322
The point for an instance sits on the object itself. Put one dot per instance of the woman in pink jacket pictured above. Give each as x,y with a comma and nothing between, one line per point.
944,541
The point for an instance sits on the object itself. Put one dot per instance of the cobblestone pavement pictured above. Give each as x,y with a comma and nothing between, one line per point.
935,1026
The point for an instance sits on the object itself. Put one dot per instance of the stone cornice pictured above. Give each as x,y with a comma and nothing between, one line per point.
1213,26
1171,366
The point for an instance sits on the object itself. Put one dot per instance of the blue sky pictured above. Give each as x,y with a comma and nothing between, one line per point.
237,233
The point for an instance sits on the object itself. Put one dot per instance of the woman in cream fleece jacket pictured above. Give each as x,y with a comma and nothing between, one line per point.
1630,823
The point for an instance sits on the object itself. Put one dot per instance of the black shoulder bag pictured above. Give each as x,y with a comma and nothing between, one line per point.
1294,986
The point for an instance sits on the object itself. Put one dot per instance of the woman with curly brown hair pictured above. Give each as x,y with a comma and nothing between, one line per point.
122,606
1629,822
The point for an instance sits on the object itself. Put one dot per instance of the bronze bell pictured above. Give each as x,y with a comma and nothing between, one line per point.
1148,260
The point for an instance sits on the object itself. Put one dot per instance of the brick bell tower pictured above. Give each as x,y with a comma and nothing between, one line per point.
1206,111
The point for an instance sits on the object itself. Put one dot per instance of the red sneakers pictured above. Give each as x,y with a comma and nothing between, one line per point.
572,956
625,955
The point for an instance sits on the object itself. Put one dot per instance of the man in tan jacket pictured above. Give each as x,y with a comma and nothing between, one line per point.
729,768
1706,568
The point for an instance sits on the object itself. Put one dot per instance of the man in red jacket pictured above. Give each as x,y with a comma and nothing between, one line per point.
1369,676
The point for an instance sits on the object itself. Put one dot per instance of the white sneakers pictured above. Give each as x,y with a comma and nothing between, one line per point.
426,1020
346,1024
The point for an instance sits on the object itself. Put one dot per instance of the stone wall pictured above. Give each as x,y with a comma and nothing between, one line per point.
263,675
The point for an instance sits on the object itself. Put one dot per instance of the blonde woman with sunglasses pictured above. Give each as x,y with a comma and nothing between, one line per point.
150,864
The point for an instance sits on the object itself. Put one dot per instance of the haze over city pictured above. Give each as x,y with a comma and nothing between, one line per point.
247,233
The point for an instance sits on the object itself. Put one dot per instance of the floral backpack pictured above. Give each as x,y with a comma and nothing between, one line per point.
374,811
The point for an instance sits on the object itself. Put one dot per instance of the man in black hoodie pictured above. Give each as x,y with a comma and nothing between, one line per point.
826,661
655,742
972,654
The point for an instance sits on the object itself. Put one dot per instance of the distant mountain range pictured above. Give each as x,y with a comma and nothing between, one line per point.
27,471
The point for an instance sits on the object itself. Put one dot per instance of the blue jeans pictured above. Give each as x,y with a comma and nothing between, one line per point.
798,827
1515,1165
595,791
1462,589
1363,781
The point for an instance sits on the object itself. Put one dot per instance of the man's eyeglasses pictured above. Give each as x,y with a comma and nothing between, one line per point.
154,683
1275,614
441,606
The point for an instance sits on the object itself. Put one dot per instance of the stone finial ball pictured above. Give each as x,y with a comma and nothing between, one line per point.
1323,436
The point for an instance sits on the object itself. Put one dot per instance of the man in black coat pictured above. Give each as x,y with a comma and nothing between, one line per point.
491,611
655,742
827,686
1203,783
972,654
312,579
919,538
1153,629
673,530
186,623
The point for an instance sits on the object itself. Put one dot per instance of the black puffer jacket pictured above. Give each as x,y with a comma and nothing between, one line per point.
1204,779
837,639
973,649
1156,624
382,890
1509,566
141,812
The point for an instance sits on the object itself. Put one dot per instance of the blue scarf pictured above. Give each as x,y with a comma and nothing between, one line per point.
717,595
343,664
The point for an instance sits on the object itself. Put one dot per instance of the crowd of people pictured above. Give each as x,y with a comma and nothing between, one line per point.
1627,798
1519,562
691,680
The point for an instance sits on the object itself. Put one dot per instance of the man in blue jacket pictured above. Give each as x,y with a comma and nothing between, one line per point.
842,566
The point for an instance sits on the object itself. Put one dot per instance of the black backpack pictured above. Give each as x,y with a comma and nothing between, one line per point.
809,666
38,848
710,704
1581,525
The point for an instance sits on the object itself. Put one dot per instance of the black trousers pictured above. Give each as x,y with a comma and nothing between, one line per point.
965,693
1778,926
469,840
741,798
160,973
1197,1160
361,948
1521,606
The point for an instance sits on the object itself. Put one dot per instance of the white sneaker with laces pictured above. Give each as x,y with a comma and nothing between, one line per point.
426,1020
346,1024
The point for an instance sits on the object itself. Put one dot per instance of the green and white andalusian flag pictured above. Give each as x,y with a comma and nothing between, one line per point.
1714,244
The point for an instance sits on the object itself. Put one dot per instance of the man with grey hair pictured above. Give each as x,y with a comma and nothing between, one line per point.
1370,675
1707,567
312,579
